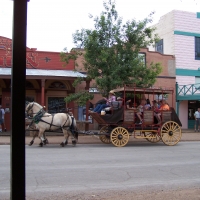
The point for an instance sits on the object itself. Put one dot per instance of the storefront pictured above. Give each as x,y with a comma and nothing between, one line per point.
188,101
48,82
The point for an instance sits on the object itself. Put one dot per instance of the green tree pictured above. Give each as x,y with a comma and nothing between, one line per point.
111,51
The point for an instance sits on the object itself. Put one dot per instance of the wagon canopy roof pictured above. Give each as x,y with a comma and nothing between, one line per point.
152,90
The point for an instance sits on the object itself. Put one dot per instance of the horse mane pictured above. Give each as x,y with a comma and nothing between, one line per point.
37,104
33,103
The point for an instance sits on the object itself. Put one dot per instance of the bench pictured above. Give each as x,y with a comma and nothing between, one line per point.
115,105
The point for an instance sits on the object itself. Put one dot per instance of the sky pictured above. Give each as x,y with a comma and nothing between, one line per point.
51,23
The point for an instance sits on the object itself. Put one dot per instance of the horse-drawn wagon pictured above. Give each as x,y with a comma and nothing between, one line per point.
117,126
121,123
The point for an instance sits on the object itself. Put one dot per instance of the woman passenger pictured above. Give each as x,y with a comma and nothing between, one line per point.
141,108
164,106
129,105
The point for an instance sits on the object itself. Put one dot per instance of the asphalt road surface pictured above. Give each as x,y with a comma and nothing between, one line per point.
99,171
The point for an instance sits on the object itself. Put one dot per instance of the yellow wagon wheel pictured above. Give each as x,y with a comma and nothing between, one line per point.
152,137
170,133
119,136
104,138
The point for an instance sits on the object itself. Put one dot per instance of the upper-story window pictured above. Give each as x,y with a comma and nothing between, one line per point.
159,46
197,48
142,57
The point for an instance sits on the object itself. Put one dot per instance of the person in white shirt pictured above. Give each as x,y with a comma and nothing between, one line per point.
197,120
141,108
2,113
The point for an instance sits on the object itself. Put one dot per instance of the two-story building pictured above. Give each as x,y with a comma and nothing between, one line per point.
179,33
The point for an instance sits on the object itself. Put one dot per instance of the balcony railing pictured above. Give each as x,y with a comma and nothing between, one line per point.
185,92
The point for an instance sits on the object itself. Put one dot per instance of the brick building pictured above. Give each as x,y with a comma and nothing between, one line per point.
48,81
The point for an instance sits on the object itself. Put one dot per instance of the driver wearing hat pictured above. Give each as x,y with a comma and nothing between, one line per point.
111,98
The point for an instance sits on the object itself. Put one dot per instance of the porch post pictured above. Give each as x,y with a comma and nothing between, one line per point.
87,105
43,91
177,101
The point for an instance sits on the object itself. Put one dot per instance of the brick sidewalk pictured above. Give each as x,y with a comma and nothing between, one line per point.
187,135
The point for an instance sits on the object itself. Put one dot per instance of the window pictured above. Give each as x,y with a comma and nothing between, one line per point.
56,104
142,57
57,85
159,46
197,48
93,90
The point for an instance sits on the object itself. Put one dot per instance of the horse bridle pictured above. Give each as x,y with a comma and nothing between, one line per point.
29,108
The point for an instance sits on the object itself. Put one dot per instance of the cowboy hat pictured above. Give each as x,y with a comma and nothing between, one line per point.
111,92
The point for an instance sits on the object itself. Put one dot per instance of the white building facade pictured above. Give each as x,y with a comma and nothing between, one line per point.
179,33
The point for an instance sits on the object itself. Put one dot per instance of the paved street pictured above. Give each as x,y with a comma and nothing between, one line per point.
99,168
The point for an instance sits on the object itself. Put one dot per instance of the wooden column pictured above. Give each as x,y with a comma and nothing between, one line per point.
43,91
87,105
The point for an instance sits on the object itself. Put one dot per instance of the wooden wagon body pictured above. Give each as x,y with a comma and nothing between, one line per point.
118,126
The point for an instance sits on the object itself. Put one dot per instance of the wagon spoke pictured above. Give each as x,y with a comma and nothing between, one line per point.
175,138
152,137
167,127
178,129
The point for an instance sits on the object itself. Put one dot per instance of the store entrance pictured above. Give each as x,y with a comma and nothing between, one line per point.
192,108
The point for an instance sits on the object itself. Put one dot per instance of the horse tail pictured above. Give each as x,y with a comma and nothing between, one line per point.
73,127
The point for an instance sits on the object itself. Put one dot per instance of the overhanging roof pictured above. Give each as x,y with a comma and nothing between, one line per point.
45,73
152,90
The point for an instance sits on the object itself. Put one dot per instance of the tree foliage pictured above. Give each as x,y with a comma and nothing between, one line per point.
111,51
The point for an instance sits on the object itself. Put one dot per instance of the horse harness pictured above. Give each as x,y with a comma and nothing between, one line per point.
38,118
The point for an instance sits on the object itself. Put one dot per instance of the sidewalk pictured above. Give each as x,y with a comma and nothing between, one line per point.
56,138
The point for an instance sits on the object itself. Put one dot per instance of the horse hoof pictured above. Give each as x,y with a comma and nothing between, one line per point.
74,142
30,143
41,144
62,144
46,142
66,142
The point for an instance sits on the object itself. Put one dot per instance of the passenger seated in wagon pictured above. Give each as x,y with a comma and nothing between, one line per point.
129,105
141,108
164,106
115,105
148,105
108,100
